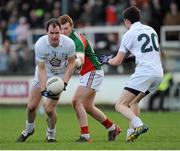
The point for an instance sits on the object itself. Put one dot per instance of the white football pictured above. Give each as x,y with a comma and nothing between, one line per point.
55,85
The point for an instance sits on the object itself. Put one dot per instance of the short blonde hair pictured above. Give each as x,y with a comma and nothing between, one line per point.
65,19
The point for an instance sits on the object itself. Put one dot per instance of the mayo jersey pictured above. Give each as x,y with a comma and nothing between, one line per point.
91,62
55,58
142,41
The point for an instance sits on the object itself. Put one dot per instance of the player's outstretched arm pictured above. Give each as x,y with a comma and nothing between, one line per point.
117,60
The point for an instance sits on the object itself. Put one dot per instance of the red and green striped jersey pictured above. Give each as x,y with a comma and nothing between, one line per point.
83,45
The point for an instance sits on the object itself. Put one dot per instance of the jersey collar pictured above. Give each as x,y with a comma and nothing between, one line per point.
136,24
60,43
72,33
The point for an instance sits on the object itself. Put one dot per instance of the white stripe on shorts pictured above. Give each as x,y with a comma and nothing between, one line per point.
90,79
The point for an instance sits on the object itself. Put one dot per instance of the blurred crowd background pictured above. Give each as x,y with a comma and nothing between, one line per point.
18,17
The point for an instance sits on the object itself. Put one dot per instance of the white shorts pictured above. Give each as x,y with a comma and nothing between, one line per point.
144,83
92,79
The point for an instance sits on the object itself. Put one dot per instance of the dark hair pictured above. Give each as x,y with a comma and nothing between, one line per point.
133,14
54,22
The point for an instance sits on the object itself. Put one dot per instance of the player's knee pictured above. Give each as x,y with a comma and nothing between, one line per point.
49,111
31,107
76,103
88,108
119,105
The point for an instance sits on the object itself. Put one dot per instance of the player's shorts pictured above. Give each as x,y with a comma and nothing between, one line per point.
144,83
92,79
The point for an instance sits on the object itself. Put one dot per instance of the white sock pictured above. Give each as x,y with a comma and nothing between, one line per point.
86,136
50,133
29,127
129,132
136,122
112,128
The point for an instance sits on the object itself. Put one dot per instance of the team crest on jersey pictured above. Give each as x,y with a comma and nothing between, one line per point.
55,62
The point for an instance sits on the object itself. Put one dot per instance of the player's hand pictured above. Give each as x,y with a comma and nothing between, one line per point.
104,59
65,85
50,95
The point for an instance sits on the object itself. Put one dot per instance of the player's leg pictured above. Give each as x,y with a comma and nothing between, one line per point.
122,106
97,114
50,106
147,85
81,114
123,102
35,97
134,106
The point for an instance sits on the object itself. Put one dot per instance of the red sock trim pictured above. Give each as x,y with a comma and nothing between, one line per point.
85,130
107,123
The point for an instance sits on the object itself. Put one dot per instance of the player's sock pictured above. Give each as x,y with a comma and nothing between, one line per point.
29,127
50,133
109,125
129,132
112,128
85,132
136,122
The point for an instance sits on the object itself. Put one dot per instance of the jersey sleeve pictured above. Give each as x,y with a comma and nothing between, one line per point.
126,43
80,47
81,43
39,52
72,48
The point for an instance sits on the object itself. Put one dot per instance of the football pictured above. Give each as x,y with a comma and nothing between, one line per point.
55,85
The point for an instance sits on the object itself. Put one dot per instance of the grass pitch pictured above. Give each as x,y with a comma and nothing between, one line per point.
163,131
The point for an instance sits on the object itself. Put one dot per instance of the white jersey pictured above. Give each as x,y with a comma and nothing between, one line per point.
142,41
55,58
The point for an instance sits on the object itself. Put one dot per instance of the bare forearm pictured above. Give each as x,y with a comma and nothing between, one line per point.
42,75
42,79
117,60
68,73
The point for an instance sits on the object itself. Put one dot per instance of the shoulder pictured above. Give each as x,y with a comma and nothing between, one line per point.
67,42
78,38
66,39
41,41
128,35
150,30
147,27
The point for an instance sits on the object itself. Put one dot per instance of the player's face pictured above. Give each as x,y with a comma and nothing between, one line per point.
66,29
54,35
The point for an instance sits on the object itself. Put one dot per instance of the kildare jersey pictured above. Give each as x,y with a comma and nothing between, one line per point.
142,41
82,45
55,58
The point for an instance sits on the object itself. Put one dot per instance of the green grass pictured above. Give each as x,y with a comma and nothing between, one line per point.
163,134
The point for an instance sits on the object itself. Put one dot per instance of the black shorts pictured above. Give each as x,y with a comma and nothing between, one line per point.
135,92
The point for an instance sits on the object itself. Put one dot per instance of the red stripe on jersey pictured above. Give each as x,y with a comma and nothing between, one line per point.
83,40
87,66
